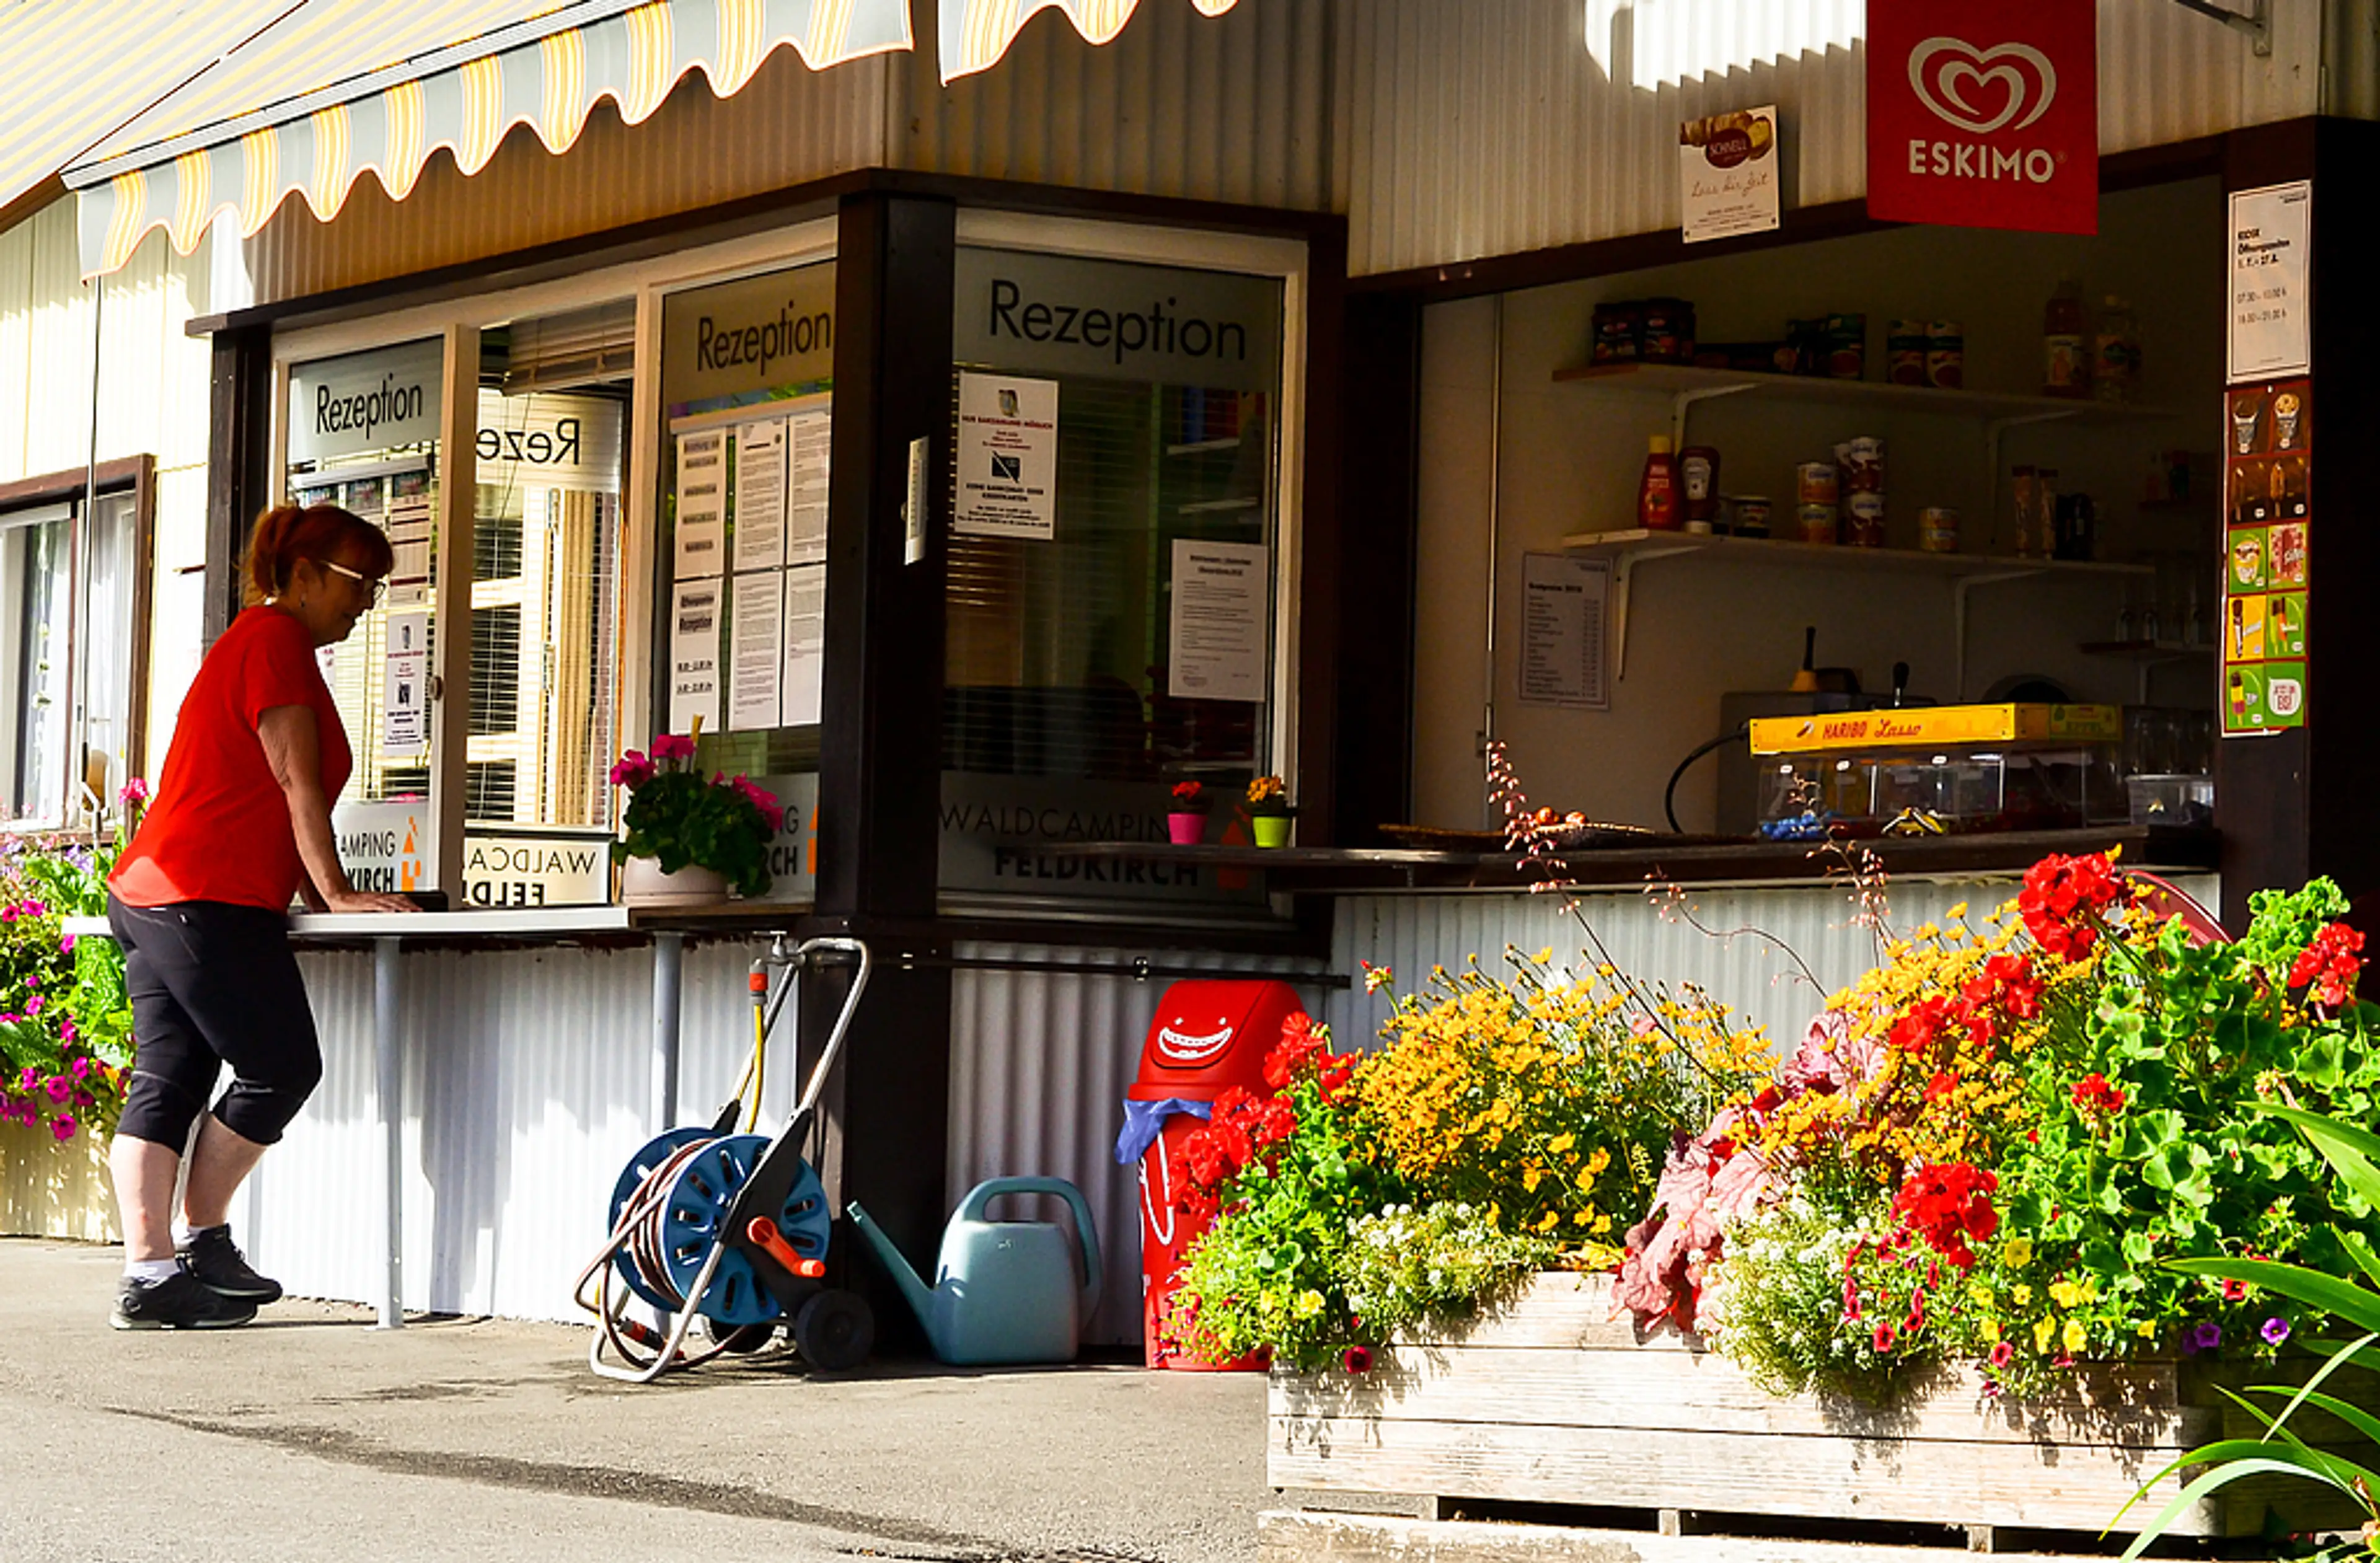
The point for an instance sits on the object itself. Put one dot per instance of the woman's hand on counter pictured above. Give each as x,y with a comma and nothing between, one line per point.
368,900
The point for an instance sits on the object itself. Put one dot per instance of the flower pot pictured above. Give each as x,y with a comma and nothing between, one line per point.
1185,828
642,883
1271,830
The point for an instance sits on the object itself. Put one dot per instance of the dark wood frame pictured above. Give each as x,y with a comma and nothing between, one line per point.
138,476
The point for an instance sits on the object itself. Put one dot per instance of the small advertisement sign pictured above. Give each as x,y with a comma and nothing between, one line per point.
1726,165
1984,114
2270,229
2267,515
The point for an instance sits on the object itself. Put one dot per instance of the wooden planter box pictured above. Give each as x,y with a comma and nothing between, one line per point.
53,1190
1547,1401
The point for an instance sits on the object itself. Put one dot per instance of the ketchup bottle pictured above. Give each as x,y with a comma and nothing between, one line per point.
1657,493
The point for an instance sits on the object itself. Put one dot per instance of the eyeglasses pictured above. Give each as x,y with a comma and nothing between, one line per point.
377,588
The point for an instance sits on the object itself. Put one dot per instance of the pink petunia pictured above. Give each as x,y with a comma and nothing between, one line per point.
65,945
672,746
63,1126
81,1069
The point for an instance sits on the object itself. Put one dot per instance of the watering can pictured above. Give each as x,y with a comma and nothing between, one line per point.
1003,1292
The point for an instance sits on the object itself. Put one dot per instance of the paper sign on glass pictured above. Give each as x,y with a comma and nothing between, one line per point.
1216,644
760,496
758,633
1007,457
405,687
1564,601
701,503
809,438
694,654
804,643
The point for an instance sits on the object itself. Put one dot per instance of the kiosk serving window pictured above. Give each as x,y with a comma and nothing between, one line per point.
1113,523
38,599
748,389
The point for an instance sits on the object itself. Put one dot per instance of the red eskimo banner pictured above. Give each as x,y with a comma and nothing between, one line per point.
1983,114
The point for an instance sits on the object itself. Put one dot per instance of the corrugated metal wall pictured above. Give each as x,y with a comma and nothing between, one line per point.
1445,130
1474,130
1039,1064
1410,934
529,1082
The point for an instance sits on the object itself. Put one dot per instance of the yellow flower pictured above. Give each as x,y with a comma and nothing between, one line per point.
1308,1304
2075,1337
2044,1328
2065,1294
1560,1143
1979,1294
2146,1329
1597,1161
1602,1225
1548,1222
2022,1292
1991,1328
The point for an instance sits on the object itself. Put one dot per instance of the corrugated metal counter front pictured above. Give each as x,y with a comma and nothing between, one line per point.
536,1051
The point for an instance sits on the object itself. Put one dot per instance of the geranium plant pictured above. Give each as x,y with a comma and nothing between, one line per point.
680,818
66,1022
1189,798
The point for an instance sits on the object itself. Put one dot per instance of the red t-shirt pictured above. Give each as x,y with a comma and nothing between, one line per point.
218,828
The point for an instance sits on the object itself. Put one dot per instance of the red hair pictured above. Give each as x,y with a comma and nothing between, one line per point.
285,534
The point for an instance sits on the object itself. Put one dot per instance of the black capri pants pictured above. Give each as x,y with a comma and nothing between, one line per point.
214,984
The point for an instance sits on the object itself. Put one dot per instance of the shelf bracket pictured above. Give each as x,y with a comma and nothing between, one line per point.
1959,591
1623,570
1683,403
2257,21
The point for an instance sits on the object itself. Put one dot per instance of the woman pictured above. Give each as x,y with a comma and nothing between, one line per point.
240,823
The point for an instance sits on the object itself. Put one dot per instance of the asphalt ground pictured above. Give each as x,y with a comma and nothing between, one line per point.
310,1434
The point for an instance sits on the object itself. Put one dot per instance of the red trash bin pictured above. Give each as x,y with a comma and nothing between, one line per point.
1208,1037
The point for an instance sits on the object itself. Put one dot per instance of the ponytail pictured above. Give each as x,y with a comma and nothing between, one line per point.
286,533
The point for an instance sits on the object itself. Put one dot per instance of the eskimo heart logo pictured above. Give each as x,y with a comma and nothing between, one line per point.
1958,81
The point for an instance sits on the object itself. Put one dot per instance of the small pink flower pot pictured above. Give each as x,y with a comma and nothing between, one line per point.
1185,830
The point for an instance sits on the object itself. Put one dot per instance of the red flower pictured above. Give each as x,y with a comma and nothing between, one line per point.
1302,1047
2330,965
1947,1205
2064,899
1884,1337
1189,794
1941,1086
2003,1354
1356,1359
1917,1031
2005,986
2096,1097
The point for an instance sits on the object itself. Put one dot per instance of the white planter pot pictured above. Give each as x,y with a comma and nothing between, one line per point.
642,883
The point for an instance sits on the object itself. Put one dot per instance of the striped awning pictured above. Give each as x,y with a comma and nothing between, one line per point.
339,87
974,33
57,101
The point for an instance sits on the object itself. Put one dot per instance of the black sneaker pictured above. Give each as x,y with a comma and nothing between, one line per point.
179,1301
215,1260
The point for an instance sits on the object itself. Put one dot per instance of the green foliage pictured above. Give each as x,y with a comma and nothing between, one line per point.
2349,1152
1778,1311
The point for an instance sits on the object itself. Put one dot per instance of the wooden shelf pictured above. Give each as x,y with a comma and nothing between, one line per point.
1641,545
2155,650
1683,379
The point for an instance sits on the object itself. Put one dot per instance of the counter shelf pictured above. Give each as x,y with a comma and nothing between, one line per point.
390,933
1699,863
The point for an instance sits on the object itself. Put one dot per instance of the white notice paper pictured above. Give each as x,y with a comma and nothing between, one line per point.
757,666
809,437
1216,645
2269,254
1728,165
1563,604
694,655
405,687
805,643
701,503
411,524
1007,457
760,496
